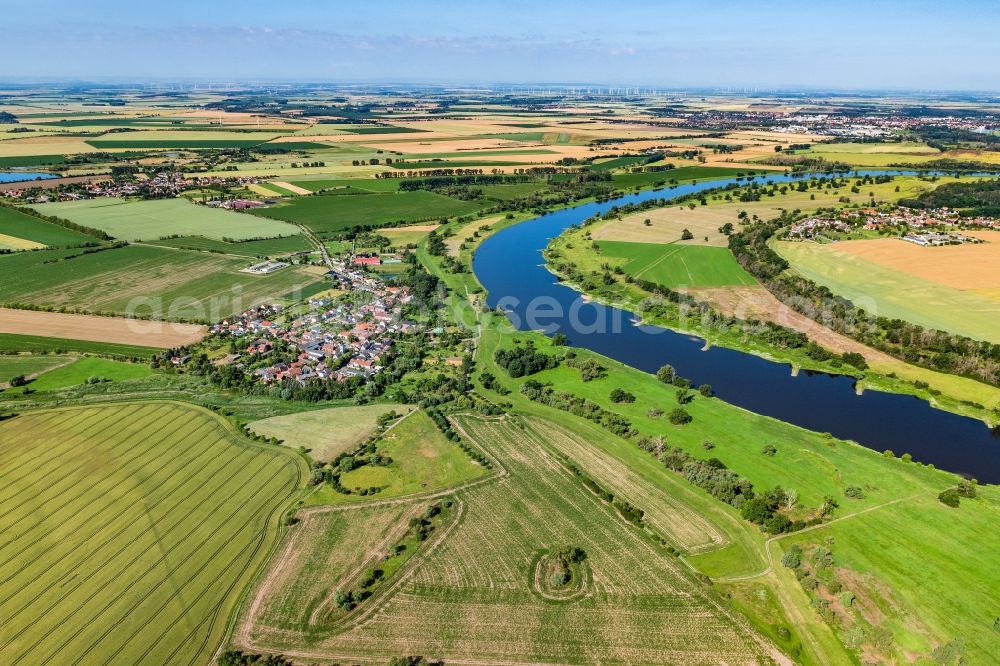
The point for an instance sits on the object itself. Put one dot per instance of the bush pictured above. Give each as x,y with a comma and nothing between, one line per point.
949,497
620,396
756,510
524,361
966,488
855,359
854,492
793,558
679,417
705,390
769,450
666,374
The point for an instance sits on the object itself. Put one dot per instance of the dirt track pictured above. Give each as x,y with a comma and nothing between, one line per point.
99,329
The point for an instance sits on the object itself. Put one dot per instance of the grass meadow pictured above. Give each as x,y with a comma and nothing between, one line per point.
13,366
89,368
326,433
250,249
149,220
36,344
422,461
130,530
327,214
21,225
675,265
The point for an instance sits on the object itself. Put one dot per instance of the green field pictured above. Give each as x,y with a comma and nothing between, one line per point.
89,368
175,284
130,531
617,162
325,214
326,433
352,185
675,266
887,292
12,366
21,225
476,596
258,248
31,160
141,144
10,342
149,220
422,461
512,191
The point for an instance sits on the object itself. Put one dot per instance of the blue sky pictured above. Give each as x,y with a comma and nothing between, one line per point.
883,44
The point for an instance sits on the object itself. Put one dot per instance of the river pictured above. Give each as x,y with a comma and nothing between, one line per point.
509,264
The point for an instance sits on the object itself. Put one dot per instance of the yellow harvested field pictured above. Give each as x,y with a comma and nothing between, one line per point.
99,329
965,267
667,225
44,145
291,188
405,235
15,243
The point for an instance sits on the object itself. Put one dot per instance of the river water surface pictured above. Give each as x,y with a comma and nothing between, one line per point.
509,264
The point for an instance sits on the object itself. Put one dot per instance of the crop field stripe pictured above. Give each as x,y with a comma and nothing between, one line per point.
79,583
150,568
208,560
140,455
112,537
45,453
21,572
257,541
54,483
79,574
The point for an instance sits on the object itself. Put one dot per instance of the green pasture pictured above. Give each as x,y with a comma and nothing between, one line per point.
673,265
325,214
153,219
36,344
21,225
166,283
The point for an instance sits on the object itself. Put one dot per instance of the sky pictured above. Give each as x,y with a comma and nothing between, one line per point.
873,44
